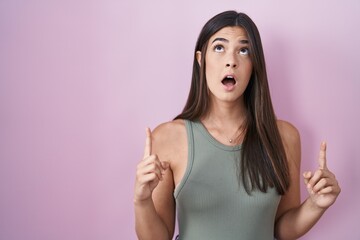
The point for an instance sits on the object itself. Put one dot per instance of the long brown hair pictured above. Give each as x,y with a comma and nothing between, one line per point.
264,162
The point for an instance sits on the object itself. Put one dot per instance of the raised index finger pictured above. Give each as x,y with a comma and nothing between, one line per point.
147,151
322,156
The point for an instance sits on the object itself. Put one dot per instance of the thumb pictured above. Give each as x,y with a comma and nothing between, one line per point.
307,175
165,165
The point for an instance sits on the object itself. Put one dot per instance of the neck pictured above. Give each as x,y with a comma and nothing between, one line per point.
228,113
225,121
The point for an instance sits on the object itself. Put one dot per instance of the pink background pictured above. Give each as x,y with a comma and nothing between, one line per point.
80,81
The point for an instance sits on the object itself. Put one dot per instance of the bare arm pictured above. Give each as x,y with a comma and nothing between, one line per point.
295,219
153,201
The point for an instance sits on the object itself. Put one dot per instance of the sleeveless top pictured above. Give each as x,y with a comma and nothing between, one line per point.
211,203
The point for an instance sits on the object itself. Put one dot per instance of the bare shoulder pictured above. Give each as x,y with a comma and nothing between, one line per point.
171,127
289,133
291,140
169,131
169,137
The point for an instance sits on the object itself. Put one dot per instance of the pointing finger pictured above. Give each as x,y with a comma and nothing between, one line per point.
147,151
322,156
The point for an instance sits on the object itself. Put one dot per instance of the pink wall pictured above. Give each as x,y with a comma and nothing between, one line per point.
80,81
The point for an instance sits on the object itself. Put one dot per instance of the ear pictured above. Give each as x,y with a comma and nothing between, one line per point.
198,57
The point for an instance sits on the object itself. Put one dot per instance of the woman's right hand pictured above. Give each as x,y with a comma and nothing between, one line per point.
149,172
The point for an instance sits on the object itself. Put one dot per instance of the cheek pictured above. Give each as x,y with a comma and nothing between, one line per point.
212,60
248,68
210,71
210,79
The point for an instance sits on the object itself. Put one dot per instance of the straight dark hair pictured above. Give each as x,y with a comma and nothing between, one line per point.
264,162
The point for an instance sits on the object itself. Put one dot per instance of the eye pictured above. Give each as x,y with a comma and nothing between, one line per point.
244,51
218,48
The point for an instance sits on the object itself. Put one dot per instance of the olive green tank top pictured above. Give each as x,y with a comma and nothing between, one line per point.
210,202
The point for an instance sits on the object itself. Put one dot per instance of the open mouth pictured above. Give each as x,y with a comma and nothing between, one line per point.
228,81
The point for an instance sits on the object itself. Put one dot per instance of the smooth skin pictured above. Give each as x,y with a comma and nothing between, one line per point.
165,154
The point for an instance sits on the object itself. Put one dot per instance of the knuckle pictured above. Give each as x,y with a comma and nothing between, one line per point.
152,176
311,182
153,167
139,166
324,181
154,157
138,173
139,178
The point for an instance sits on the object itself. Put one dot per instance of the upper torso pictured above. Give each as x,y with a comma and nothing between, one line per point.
210,202
175,149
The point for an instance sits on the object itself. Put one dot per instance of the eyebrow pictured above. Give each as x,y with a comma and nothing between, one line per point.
243,41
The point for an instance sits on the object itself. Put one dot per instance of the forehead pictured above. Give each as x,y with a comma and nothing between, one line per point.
230,33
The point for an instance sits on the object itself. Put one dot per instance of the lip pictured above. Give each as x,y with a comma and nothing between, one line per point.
228,87
230,75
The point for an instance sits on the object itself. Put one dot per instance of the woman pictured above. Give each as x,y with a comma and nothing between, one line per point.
226,166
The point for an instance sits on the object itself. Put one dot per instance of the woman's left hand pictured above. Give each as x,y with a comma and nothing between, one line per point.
322,185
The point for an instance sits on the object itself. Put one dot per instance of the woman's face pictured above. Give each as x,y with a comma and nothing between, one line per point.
228,64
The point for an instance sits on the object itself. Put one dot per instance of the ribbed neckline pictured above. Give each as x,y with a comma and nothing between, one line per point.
213,140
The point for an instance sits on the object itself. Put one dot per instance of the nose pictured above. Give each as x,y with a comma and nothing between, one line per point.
231,62
233,65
